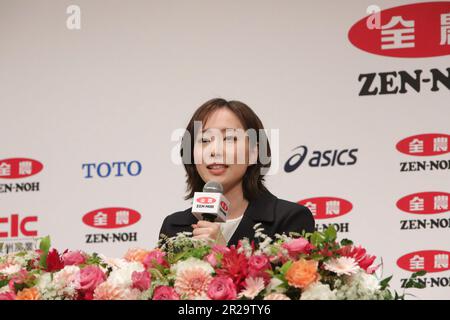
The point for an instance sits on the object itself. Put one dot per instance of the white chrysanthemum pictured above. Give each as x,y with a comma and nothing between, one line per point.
10,269
121,277
342,265
368,281
191,263
318,291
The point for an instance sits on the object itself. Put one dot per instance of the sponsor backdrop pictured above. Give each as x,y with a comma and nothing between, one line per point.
90,108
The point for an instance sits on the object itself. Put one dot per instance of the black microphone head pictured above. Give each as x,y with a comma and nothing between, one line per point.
213,186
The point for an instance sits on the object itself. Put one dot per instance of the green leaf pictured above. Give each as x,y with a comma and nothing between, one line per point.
346,242
285,267
317,238
419,274
44,246
3,283
385,283
330,233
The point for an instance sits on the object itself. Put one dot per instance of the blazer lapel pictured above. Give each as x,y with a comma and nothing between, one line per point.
261,209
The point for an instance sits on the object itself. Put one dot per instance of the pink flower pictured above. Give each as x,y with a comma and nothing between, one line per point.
253,286
165,293
211,259
155,257
73,258
257,267
18,278
297,246
7,295
192,282
216,250
108,291
141,280
222,288
220,249
90,278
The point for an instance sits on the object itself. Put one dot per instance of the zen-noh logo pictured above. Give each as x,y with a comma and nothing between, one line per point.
410,31
111,218
428,260
428,144
206,200
18,168
327,207
432,202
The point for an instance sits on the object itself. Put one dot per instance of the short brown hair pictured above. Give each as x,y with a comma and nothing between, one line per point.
253,179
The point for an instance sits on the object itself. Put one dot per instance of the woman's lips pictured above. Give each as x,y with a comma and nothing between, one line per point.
217,169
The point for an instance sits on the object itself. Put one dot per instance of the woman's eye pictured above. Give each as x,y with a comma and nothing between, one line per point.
204,140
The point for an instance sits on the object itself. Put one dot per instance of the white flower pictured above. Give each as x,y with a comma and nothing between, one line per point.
46,287
361,286
253,286
318,291
121,276
275,285
342,265
367,281
114,263
66,281
191,263
10,269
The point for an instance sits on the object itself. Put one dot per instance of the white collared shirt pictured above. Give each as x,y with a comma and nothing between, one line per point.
229,227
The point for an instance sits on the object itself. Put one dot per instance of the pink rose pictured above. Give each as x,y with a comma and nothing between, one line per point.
257,267
155,257
165,293
90,278
7,296
222,288
141,280
73,258
297,246
211,259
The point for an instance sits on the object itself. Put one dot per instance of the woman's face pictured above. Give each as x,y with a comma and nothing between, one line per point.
221,150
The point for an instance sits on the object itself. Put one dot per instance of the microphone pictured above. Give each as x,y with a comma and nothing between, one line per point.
211,205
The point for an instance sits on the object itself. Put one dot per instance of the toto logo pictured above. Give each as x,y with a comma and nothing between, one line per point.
432,202
111,218
428,260
410,31
206,200
17,168
327,207
428,144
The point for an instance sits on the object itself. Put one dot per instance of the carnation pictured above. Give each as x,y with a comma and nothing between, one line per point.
121,277
318,291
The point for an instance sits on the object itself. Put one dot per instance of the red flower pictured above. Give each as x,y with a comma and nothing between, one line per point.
54,261
364,260
235,266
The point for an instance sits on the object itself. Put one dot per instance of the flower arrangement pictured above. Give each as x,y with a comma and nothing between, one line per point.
294,267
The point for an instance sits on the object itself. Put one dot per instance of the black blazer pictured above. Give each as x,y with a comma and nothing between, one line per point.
275,215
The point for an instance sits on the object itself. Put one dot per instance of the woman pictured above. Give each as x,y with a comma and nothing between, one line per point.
218,138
